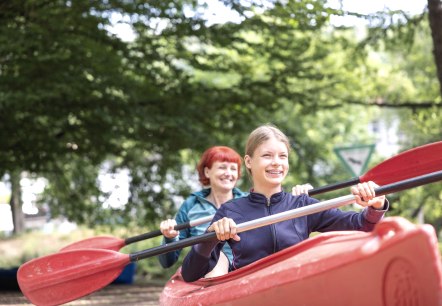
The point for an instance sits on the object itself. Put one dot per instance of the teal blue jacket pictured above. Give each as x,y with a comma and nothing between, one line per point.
195,207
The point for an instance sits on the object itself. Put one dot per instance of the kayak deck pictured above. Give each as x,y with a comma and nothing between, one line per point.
396,264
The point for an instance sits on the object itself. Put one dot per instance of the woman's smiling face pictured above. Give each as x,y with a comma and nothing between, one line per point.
269,164
222,175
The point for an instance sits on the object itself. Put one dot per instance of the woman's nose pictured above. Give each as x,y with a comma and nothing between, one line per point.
228,172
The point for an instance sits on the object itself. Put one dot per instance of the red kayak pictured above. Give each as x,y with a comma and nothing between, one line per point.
396,264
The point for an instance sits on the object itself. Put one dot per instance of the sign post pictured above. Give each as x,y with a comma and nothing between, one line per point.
355,158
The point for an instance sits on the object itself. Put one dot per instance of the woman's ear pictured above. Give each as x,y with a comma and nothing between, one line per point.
247,161
206,172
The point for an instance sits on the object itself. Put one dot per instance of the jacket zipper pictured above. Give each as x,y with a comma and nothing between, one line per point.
272,226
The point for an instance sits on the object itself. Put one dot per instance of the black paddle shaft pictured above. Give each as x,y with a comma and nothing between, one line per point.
386,189
155,233
335,186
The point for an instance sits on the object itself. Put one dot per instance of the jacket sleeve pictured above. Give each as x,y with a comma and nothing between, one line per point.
203,257
169,259
338,220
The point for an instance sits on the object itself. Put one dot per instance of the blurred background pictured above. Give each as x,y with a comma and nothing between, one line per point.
106,106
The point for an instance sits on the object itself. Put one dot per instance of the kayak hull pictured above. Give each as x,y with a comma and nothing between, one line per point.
396,264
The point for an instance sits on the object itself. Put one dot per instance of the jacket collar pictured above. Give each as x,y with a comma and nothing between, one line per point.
203,193
260,198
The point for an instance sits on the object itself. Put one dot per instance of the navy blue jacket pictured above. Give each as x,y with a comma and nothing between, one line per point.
261,242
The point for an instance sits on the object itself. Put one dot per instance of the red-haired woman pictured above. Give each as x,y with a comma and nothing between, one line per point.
218,170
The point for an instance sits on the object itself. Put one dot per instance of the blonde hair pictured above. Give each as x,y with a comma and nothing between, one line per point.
262,134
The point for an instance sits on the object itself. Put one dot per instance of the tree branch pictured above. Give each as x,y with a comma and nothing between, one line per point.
406,104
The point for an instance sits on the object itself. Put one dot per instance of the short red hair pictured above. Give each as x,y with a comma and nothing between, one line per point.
214,154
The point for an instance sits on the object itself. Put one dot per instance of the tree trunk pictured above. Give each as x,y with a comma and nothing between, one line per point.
420,216
18,218
435,18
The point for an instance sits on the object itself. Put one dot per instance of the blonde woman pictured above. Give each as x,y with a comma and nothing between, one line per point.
266,161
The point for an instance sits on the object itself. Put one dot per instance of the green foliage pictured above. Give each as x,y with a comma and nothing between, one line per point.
61,82
413,78
74,96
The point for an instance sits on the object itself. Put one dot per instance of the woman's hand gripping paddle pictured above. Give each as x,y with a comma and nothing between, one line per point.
66,276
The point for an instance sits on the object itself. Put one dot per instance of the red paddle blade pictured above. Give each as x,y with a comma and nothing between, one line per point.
408,164
63,277
99,242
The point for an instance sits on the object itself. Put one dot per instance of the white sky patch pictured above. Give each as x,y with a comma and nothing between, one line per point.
6,218
5,192
217,13
413,7
116,184
31,188
364,7
120,26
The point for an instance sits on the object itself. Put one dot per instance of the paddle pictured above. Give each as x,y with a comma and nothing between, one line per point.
411,163
408,164
66,276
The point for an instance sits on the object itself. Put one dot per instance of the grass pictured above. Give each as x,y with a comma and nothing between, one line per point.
18,249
